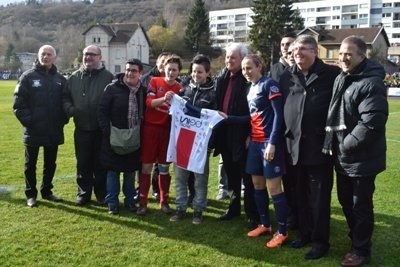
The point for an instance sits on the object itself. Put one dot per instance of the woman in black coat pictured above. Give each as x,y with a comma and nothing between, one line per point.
122,103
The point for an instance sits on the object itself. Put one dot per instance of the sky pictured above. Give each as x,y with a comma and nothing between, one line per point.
5,2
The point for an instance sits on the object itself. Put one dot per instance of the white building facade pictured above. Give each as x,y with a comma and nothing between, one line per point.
230,25
344,14
233,25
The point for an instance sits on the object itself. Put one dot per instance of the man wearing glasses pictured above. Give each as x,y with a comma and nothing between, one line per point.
82,94
307,87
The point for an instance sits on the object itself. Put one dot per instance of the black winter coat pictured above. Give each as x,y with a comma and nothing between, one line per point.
114,108
231,134
305,110
361,150
38,106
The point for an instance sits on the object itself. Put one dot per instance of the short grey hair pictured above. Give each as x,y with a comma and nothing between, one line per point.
306,39
241,48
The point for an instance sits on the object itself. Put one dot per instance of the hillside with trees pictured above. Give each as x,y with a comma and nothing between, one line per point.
26,26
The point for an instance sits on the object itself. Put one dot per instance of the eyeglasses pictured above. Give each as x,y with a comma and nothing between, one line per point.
132,70
88,54
302,49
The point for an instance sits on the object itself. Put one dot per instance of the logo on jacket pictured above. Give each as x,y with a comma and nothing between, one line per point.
36,83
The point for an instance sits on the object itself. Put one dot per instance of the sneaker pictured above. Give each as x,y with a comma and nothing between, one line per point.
142,210
165,208
277,240
259,231
31,202
112,210
178,216
222,194
197,217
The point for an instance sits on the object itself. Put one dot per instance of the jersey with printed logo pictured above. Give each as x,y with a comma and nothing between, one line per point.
191,129
266,110
157,88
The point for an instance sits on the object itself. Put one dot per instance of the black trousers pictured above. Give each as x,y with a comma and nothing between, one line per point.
49,168
313,196
355,194
90,173
235,171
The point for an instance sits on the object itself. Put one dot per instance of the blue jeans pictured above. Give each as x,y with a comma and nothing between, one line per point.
200,188
113,189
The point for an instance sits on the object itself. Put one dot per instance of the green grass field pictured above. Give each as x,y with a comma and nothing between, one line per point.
62,234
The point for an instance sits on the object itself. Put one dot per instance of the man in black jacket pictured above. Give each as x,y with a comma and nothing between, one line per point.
355,133
82,95
307,86
38,106
231,136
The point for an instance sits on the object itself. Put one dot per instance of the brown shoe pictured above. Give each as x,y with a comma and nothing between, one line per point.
165,208
353,260
142,210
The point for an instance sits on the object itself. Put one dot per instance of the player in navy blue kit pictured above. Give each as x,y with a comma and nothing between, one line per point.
265,158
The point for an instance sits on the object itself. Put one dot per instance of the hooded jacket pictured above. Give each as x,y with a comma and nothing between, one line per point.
38,106
360,149
82,94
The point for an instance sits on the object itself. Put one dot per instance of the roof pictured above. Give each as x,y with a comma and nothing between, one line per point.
119,32
336,36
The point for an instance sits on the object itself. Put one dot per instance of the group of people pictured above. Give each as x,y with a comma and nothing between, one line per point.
288,129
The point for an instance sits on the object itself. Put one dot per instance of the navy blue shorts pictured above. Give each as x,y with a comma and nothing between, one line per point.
257,165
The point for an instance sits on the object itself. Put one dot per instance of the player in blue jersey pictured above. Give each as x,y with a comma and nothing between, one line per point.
265,158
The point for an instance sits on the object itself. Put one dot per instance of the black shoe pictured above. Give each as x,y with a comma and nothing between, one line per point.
52,197
300,242
315,253
31,202
227,216
352,259
113,210
80,201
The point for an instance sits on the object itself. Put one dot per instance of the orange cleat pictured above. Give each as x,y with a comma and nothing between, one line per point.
259,231
277,240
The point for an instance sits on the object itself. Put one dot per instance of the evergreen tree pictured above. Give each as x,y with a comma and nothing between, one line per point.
271,20
197,32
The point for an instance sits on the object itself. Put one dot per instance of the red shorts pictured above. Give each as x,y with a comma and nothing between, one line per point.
154,144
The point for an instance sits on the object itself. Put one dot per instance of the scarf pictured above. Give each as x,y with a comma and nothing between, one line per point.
335,120
133,109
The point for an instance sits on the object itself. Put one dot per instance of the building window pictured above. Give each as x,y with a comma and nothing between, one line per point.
98,39
222,26
335,26
386,4
310,9
397,4
335,17
363,16
240,17
336,8
396,24
118,54
396,16
386,15
363,5
329,53
94,39
396,35
117,68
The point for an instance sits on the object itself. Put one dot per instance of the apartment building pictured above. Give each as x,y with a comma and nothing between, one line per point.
344,14
230,25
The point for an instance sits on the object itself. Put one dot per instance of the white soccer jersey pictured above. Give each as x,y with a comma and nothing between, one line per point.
191,128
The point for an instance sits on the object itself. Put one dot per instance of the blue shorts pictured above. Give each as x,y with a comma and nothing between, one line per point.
257,165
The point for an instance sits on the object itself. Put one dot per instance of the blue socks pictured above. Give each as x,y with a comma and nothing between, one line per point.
280,206
262,202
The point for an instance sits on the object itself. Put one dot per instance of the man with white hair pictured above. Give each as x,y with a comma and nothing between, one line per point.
231,136
82,95
38,107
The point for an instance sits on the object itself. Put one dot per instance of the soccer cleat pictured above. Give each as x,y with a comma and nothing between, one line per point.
178,216
277,240
259,231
